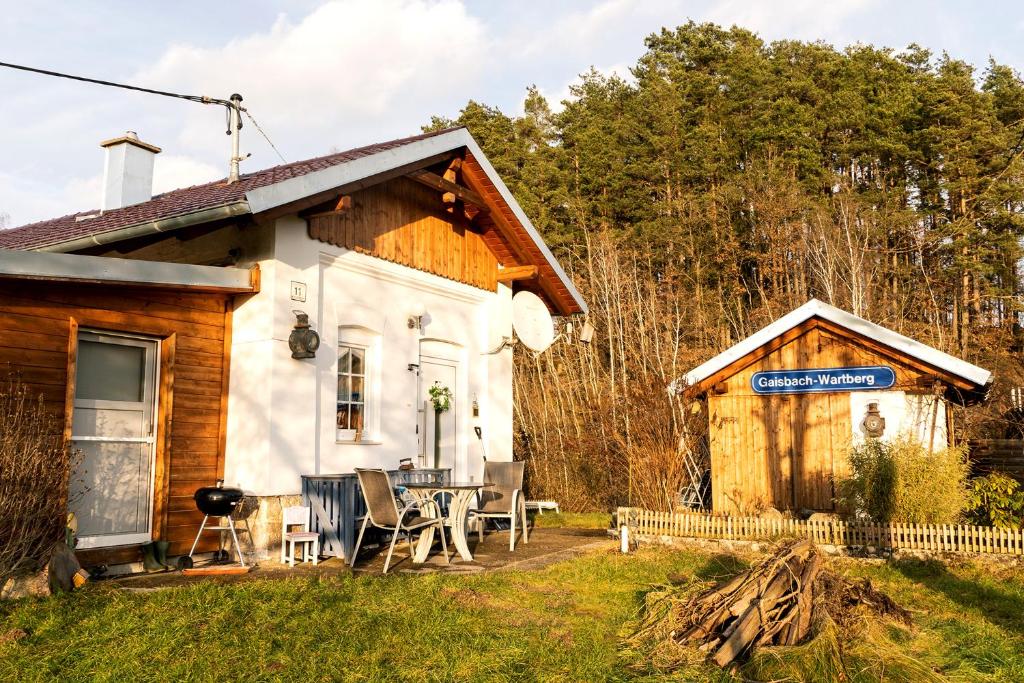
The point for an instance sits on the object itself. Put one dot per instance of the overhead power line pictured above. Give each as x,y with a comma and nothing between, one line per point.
272,145
201,99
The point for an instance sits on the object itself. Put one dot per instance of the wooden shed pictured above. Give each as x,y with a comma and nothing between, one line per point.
786,404
132,358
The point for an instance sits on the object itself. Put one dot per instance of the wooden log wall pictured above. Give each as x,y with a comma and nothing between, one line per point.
38,333
404,222
998,455
786,450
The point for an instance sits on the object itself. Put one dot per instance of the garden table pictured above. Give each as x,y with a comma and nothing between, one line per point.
462,493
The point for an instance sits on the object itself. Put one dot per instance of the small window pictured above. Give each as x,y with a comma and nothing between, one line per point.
352,391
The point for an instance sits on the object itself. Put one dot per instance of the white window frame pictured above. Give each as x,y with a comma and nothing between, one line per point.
369,342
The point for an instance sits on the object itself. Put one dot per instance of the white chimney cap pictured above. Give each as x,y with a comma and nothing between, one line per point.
132,138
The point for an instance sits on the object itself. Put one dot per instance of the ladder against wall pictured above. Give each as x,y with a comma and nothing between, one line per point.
696,495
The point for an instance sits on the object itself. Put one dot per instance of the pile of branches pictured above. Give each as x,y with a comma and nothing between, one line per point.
776,602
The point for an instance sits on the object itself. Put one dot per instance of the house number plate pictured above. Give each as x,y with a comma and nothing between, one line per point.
298,291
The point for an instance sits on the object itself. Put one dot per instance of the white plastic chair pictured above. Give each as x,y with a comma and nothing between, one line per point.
298,516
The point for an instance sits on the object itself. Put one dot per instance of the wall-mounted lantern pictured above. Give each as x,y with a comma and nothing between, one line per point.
873,423
416,317
303,341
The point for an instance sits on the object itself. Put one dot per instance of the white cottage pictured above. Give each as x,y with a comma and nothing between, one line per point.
402,256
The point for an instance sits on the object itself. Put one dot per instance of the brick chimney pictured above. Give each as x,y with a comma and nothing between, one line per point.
127,171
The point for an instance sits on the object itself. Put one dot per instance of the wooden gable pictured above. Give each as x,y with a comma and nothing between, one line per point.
447,218
829,346
404,222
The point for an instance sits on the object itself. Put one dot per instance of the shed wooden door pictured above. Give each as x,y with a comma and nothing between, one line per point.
777,450
114,427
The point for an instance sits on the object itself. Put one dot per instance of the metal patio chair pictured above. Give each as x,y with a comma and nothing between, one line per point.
504,499
383,513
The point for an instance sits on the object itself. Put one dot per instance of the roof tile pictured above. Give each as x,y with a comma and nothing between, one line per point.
180,202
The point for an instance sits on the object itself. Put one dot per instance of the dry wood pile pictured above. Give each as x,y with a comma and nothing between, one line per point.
774,603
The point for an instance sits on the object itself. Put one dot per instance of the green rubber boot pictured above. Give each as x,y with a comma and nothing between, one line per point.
149,562
160,550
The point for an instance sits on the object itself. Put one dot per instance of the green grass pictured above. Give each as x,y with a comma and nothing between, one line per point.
573,520
563,623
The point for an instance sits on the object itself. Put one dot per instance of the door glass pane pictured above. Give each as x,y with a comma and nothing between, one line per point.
110,372
357,361
110,488
357,388
343,366
357,416
342,416
109,422
344,389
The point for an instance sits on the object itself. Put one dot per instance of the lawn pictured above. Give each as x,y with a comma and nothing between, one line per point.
562,623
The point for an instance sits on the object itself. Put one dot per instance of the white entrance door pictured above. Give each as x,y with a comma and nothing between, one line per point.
114,426
445,373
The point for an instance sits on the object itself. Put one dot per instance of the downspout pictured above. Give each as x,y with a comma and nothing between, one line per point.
239,208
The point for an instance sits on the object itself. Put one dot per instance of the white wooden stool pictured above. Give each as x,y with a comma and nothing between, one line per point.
309,540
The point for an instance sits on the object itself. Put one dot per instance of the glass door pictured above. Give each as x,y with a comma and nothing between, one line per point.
114,426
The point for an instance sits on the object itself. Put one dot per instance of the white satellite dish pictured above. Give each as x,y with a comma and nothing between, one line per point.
532,321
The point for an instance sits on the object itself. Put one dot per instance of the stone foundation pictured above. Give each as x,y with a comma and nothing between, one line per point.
264,516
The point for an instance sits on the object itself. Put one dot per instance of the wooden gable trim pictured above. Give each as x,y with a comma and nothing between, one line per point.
746,361
335,194
817,323
895,355
510,242
517,273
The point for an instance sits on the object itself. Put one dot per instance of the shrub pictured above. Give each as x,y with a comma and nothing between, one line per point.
35,466
899,481
996,500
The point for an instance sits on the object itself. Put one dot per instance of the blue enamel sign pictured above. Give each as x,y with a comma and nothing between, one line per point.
822,380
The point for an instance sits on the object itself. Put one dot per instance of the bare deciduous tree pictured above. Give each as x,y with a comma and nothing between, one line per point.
35,467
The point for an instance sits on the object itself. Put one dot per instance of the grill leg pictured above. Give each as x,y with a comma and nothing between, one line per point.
238,547
196,542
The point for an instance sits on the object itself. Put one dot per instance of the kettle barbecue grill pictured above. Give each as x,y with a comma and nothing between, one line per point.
217,501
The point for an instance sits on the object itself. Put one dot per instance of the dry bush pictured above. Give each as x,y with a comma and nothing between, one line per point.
35,465
656,470
900,481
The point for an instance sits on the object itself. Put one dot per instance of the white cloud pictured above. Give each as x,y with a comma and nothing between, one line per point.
37,199
347,73
173,171
797,19
346,65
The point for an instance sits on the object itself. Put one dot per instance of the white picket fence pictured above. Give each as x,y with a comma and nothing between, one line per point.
930,537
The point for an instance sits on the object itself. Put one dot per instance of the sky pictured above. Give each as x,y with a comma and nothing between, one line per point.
321,76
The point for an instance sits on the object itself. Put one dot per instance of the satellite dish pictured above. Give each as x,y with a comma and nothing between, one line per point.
532,321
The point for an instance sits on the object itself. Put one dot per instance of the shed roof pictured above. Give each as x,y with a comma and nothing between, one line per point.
79,269
279,186
972,374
